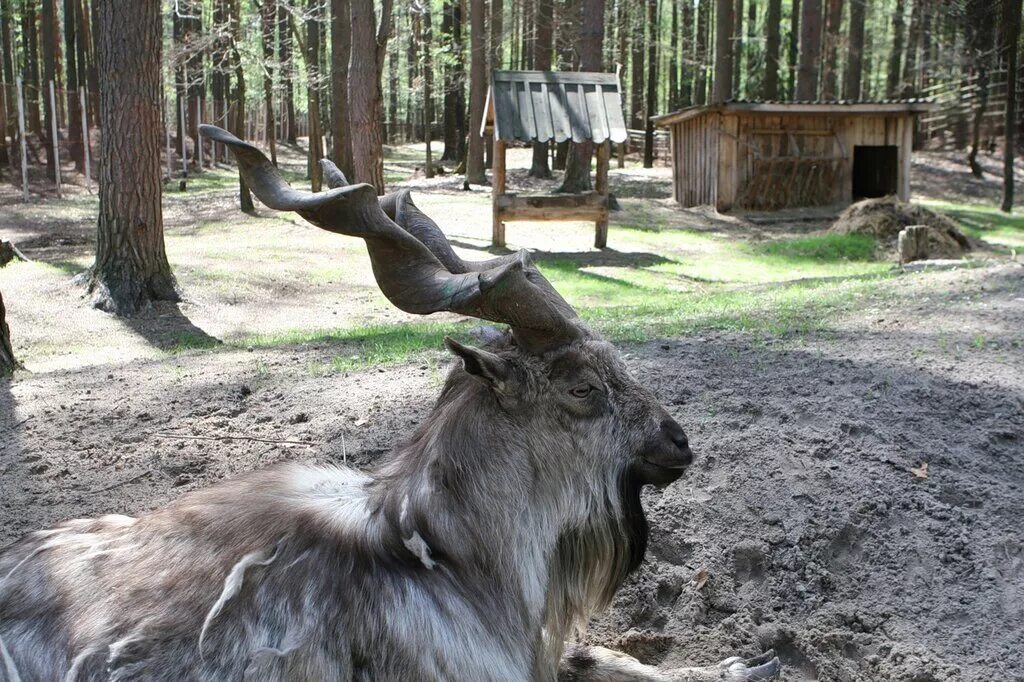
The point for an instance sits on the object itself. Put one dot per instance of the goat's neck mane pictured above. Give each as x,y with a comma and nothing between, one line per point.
474,488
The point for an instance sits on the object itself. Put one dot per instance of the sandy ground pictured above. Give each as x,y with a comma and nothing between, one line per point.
803,526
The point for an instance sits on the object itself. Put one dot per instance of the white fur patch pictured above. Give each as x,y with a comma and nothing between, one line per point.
233,585
418,546
336,493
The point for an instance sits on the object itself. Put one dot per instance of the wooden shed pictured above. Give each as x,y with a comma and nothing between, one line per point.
771,155
538,106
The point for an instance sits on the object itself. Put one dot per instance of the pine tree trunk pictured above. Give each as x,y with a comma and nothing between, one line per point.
477,92
268,21
48,19
314,16
773,43
723,52
234,31
636,60
892,88
341,55
29,36
428,88
5,47
751,50
737,48
810,51
8,125
542,49
910,71
7,361
855,53
652,82
74,119
591,45
673,59
830,79
1011,19
794,49
980,34
369,44
131,267
686,64
284,51
700,86
451,84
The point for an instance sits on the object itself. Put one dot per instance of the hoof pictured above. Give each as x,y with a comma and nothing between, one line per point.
763,667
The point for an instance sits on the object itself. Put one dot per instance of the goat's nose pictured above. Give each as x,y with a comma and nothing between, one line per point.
675,434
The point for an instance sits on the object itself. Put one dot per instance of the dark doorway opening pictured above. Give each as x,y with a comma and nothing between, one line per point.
875,170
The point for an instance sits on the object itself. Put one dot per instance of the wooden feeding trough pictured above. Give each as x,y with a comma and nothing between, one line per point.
538,106
772,155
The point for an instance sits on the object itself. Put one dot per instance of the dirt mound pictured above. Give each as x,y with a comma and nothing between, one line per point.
884,218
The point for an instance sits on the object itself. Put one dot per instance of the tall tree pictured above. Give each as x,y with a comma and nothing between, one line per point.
1010,52
980,30
910,71
7,125
268,22
830,79
428,85
700,84
892,87
773,42
637,42
131,267
810,50
751,51
477,92
855,52
312,48
30,72
341,54
454,79
76,147
652,82
723,88
687,65
591,45
737,48
673,59
366,64
7,362
793,59
284,58
48,19
234,19
542,49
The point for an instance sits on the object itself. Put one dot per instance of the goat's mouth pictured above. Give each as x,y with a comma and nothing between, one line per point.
657,469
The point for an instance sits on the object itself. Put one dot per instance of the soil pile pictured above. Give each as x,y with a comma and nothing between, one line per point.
884,218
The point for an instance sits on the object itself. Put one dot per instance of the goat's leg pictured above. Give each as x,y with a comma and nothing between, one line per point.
597,664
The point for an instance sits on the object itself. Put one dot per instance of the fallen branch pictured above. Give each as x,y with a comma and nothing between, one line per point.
133,479
8,252
248,438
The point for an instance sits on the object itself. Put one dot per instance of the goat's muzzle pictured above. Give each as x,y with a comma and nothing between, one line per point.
667,455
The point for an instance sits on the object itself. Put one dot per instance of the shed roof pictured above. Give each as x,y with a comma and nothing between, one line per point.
834,108
547,105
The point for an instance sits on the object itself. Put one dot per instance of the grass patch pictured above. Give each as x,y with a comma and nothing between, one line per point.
376,344
823,248
984,222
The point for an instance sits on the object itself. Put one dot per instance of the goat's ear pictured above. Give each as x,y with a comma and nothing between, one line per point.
492,368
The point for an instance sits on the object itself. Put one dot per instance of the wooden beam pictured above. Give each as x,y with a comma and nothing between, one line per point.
497,192
590,207
601,186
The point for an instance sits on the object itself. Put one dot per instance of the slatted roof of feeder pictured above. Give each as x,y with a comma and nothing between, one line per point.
547,105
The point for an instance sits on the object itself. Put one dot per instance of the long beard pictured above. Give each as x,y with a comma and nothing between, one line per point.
593,559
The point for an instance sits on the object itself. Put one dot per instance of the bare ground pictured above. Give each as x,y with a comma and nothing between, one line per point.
802,526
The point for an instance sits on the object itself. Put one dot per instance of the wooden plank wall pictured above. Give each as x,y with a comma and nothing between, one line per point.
714,155
695,160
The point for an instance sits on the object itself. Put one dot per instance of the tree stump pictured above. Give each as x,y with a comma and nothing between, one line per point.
9,252
924,242
7,362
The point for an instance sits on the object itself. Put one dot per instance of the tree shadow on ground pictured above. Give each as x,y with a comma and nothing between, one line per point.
164,326
604,258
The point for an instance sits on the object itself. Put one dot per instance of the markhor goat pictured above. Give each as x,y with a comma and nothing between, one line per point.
511,516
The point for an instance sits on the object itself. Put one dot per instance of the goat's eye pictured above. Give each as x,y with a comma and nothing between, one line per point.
582,391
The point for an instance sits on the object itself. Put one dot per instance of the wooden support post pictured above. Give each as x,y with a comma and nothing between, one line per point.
199,138
21,137
85,134
622,155
53,138
497,190
601,186
184,138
